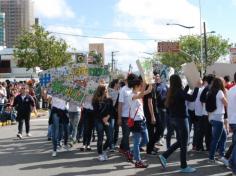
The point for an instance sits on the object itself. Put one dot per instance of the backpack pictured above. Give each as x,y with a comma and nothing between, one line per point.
211,101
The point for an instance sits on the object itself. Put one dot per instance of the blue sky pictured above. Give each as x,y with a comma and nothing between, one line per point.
133,19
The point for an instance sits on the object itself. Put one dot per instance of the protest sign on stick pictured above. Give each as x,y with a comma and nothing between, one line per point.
146,70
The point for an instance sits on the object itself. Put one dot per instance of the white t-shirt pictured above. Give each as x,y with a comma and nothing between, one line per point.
2,95
125,92
231,95
190,105
220,109
58,103
198,103
218,114
136,107
204,112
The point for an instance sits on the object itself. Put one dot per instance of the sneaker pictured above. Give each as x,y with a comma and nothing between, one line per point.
141,164
225,161
88,148
54,154
163,161
82,149
101,158
160,143
19,136
49,139
105,155
188,170
28,135
67,147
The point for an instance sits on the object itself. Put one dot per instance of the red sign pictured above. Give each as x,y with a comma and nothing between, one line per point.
232,50
164,47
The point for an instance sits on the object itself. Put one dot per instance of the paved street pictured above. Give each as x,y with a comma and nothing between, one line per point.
32,157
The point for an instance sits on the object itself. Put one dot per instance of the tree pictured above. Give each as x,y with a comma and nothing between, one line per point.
38,48
191,46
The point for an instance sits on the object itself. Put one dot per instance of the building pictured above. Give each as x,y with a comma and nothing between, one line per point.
9,68
98,48
19,15
2,29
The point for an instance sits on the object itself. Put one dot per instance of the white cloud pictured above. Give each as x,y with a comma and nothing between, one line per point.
151,16
53,9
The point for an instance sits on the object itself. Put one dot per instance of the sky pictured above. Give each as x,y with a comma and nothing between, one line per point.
133,19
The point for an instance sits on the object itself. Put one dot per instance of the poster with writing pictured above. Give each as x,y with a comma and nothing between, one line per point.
74,82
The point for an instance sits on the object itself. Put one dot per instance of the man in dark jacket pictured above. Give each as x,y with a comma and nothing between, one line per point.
160,89
23,103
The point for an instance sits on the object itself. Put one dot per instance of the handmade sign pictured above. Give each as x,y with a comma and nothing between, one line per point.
191,73
146,70
73,83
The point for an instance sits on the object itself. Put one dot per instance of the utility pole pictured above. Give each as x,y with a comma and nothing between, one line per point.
113,60
205,47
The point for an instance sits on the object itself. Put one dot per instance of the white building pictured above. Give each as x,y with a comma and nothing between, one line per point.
9,68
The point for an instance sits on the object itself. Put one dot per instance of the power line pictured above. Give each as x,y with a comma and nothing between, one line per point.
104,29
99,37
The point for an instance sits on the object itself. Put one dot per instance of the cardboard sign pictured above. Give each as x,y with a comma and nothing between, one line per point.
191,73
222,69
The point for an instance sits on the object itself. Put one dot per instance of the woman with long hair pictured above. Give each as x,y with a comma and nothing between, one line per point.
102,106
175,102
216,119
139,130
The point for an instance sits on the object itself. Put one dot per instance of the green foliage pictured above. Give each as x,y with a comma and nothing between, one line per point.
191,51
38,48
97,57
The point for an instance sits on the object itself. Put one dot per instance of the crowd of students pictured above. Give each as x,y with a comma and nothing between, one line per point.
208,109
156,108
146,111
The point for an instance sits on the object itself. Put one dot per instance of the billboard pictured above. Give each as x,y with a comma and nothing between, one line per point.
164,47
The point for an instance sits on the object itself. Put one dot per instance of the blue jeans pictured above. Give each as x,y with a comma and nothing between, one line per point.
111,132
232,160
218,139
101,128
74,121
140,139
181,126
125,135
58,131
1,108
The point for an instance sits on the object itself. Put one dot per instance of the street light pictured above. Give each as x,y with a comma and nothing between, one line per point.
176,24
